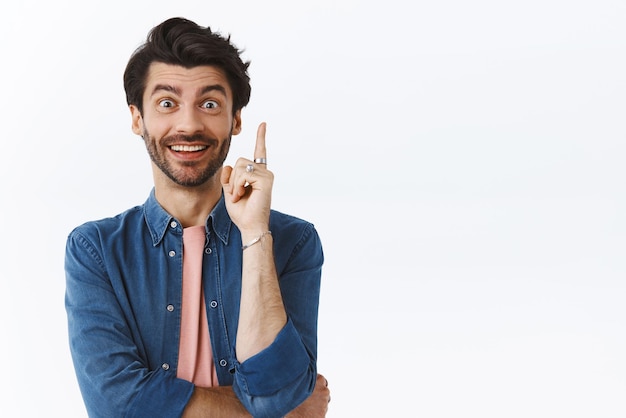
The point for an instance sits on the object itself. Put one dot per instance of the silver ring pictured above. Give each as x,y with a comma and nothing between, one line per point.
262,160
249,168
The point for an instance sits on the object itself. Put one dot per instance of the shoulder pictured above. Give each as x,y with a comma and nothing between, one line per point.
294,237
286,220
100,229
285,224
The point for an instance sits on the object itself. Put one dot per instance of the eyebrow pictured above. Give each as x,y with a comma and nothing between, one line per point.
176,90
214,87
165,87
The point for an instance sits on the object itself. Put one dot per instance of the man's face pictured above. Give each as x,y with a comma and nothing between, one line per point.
187,121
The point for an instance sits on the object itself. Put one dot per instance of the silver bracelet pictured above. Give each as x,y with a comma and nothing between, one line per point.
254,241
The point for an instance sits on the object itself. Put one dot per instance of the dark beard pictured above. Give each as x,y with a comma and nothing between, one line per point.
179,176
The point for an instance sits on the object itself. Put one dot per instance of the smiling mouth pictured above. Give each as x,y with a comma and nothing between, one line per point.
188,148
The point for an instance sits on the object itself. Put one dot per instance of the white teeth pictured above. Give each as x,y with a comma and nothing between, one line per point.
187,148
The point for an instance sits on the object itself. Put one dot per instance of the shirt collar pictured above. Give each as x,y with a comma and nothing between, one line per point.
158,220
219,221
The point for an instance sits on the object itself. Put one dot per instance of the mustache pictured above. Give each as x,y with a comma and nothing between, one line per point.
196,138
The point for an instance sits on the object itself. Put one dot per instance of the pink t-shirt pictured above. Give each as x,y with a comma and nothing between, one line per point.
195,362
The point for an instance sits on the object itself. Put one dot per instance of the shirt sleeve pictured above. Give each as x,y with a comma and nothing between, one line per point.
280,377
112,371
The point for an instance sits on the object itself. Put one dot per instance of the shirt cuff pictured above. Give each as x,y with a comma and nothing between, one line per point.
275,367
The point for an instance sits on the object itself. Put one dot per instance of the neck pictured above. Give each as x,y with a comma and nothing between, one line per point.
190,205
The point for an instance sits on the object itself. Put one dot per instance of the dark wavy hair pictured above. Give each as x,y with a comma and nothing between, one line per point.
179,41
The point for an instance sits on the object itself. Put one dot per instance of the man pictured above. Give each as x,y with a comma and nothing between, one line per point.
202,301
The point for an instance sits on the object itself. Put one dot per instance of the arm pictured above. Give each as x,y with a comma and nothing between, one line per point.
276,336
110,357
248,199
215,402
223,403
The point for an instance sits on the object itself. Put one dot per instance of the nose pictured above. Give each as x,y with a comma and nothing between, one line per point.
189,120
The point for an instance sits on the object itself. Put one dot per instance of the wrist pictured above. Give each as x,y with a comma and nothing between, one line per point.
248,234
247,243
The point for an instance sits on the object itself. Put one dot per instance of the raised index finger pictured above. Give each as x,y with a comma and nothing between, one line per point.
259,149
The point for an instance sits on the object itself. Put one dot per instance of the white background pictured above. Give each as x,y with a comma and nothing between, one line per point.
463,162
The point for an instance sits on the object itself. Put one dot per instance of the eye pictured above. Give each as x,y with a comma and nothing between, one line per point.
167,103
210,104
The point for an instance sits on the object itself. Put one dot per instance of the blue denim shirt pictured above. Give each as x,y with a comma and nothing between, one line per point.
123,300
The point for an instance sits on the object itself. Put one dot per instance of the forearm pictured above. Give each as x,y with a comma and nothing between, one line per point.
262,313
282,375
215,402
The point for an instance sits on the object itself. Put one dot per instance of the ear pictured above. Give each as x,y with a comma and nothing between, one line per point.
236,123
137,120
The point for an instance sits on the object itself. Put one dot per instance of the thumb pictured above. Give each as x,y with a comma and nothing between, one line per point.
225,177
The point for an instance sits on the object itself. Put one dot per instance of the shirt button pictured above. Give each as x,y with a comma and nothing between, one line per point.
208,250
172,253
173,224
213,304
165,366
223,363
170,308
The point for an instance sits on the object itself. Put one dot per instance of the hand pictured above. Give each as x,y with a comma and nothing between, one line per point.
315,405
248,193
